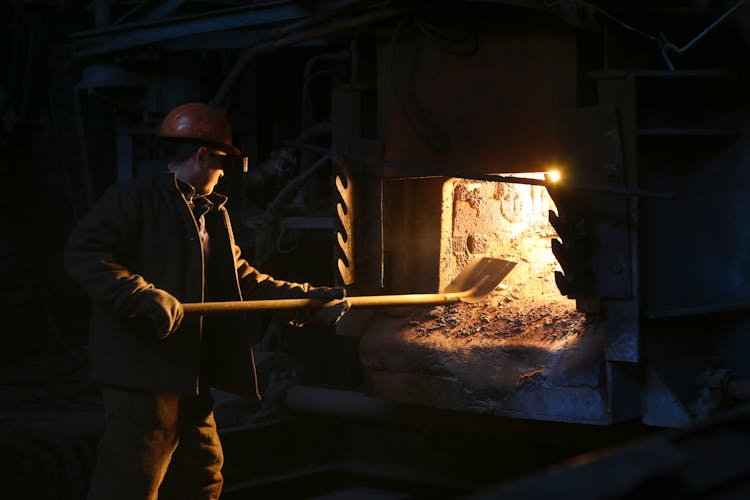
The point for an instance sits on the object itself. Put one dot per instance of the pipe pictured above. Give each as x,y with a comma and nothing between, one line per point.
485,177
268,46
153,13
163,9
292,186
357,405
310,399
306,194
667,45
308,76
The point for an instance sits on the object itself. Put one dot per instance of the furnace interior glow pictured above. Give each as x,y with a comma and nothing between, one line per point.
503,220
516,353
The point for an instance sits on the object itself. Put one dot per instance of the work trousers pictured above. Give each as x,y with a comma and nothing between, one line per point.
157,445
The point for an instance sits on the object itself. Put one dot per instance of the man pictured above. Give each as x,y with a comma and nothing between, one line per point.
147,246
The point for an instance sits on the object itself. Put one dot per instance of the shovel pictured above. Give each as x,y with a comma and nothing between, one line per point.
471,285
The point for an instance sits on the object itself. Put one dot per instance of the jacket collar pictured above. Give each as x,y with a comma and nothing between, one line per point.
169,180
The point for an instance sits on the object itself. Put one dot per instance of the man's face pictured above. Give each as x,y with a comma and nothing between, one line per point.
208,170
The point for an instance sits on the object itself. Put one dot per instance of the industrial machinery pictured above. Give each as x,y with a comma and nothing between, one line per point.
389,144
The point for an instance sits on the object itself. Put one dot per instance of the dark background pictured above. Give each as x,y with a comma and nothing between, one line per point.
84,85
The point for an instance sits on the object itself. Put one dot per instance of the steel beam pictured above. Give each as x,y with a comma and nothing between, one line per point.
131,35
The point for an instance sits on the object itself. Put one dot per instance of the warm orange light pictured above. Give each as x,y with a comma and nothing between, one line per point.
552,175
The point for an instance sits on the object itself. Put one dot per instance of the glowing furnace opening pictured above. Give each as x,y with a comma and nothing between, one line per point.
503,220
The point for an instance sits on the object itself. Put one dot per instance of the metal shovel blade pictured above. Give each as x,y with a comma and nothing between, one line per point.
471,285
479,278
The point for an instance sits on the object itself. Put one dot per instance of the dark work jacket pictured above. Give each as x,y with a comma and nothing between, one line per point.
142,234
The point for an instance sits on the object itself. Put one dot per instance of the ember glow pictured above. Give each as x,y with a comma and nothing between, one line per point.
502,220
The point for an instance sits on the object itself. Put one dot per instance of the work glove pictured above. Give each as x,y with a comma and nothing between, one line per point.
162,308
334,305
326,293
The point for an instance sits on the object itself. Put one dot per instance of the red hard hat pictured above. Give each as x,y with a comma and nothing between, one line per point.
199,122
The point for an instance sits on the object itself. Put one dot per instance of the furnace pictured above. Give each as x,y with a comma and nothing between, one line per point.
524,351
559,339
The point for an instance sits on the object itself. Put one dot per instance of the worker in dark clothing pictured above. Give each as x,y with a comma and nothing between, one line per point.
146,247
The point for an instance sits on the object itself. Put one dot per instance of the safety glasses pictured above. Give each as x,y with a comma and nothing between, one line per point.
224,159
229,162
